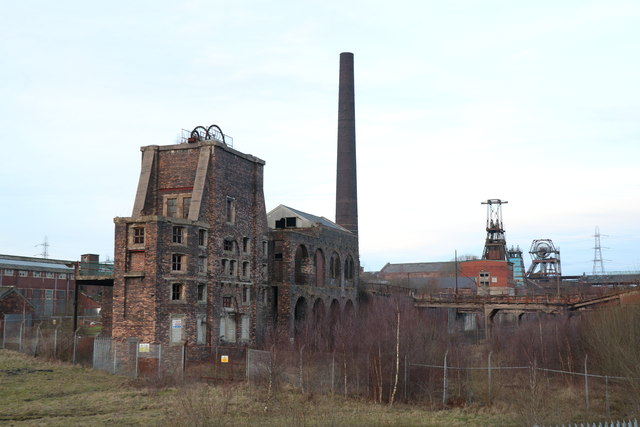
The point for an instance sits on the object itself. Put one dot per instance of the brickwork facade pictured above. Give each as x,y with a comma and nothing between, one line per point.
190,262
314,270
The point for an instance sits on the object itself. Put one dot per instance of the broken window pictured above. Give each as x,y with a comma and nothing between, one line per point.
228,245
245,245
280,223
224,267
349,268
245,270
177,291
232,267
227,302
291,222
138,235
334,266
202,292
178,234
186,204
202,237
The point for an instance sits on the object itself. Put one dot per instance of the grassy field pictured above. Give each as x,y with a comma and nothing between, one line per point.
35,392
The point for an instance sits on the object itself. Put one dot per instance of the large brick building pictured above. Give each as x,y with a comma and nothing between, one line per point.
191,261
198,262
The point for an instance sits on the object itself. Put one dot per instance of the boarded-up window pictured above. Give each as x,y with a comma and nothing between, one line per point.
228,328
201,329
177,326
245,327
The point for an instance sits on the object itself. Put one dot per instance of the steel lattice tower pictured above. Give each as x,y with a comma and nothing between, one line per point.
495,246
598,262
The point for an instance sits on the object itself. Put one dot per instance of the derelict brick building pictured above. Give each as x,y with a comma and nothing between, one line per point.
190,262
198,262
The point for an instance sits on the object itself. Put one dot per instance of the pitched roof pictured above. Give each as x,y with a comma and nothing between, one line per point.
280,210
420,267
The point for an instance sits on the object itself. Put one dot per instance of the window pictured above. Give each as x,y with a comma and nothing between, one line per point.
244,327
202,237
265,249
227,302
62,276
177,262
49,275
172,207
231,210
186,204
202,265
8,272
246,295
224,263
232,267
201,329
245,270
176,329
138,235
202,292
484,278
228,245
37,274
23,273
178,234
177,291
228,328
245,245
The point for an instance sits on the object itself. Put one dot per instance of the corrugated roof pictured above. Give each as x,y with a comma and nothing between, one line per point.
8,261
420,267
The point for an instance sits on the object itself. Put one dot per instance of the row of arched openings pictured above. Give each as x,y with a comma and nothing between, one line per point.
305,269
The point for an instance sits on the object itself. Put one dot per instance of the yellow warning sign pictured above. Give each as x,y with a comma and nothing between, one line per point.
224,359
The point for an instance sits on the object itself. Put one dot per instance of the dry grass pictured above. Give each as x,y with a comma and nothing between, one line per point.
35,392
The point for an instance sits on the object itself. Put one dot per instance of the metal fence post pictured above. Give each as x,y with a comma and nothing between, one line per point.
20,338
333,370
135,374
606,395
75,345
444,379
489,379
115,355
405,377
184,359
159,360
586,382
4,330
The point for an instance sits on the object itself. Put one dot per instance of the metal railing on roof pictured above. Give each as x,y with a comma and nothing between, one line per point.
95,269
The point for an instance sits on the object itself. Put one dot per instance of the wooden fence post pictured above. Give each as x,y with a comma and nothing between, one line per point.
586,382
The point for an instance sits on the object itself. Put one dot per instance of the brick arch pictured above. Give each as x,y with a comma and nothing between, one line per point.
299,315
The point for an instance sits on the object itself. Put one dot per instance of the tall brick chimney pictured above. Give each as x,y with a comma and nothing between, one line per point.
346,180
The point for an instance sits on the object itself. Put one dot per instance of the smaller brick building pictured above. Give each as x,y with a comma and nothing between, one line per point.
315,266
474,277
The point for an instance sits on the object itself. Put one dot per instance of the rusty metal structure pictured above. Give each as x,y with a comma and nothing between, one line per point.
495,246
545,260
346,179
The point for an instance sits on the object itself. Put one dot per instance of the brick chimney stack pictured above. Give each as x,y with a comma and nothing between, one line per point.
346,181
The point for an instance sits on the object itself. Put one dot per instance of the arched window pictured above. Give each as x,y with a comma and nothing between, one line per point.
334,266
319,265
349,268
300,265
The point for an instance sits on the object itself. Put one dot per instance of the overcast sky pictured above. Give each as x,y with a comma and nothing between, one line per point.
457,102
